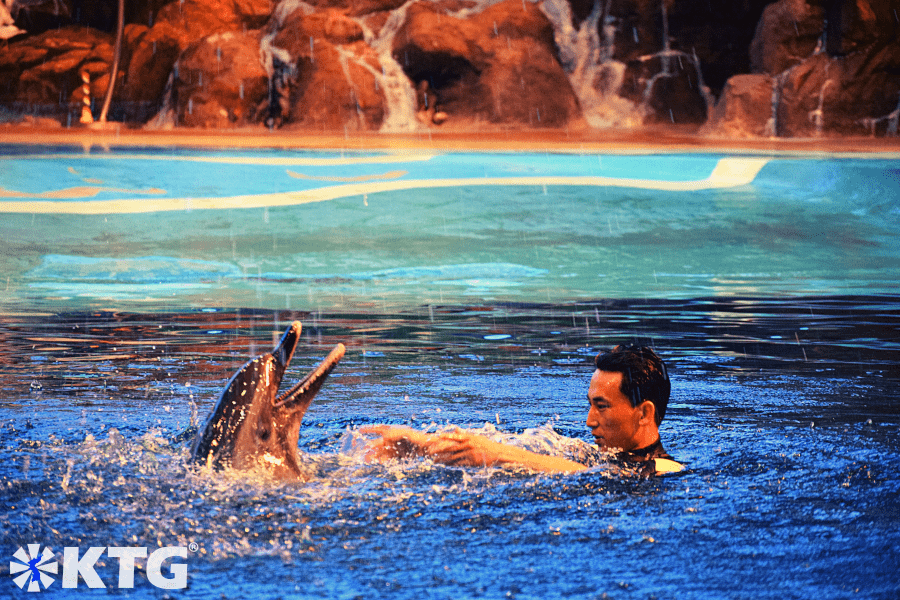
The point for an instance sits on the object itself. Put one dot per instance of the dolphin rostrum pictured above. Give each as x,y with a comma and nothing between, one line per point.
251,426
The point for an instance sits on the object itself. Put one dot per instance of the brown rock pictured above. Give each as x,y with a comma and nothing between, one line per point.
514,19
524,83
254,13
153,53
787,33
666,93
196,19
41,72
334,90
429,33
220,81
839,83
744,109
329,25
358,7
841,95
331,79
499,65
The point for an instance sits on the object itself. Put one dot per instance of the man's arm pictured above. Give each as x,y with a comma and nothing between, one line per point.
460,448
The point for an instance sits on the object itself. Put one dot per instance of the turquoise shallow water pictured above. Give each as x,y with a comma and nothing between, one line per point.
337,236
773,300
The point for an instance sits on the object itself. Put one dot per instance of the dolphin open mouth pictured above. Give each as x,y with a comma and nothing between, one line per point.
251,424
305,390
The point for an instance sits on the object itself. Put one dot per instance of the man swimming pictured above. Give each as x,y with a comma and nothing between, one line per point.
628,396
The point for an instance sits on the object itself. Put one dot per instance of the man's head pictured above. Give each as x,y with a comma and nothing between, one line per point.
628,396
644,375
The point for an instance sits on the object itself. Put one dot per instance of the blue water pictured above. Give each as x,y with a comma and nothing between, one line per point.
774,303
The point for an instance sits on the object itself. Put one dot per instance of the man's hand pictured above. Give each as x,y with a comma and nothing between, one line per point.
453,448
463,448
395,442
458,447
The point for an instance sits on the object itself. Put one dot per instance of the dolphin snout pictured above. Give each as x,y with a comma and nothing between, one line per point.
303,392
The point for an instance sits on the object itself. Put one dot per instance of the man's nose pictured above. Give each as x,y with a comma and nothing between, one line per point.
591,418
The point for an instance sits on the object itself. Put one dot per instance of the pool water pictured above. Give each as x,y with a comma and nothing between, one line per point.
300,230
774,302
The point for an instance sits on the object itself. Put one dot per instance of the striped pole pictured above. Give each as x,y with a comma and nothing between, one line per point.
86,116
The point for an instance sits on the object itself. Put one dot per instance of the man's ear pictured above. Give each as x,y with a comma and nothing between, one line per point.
648,412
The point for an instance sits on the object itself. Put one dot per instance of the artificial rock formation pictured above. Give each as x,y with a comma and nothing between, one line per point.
832,69
44,71
755,68
180,30
744,108
324,76
499,65
219,82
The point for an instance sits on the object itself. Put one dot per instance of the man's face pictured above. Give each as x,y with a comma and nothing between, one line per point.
613,421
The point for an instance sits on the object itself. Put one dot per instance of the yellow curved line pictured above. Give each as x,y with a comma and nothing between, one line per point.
728,173
388,175
84,191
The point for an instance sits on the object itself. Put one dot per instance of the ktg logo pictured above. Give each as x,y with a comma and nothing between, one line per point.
32,570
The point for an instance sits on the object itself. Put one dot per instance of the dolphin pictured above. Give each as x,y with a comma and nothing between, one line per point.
251,426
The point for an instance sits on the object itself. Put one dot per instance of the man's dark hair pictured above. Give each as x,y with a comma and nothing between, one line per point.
644,375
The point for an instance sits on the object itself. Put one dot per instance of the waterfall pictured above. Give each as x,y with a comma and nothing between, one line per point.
666,56
771,128
817,116
166,119
587,59
269,54
399,95
892,119
278,62
778,81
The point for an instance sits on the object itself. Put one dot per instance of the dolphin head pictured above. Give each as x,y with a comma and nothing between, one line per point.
251,425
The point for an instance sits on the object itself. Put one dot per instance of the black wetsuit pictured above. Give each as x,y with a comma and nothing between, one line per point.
643,459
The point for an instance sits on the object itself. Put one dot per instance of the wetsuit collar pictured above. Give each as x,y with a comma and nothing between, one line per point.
654,450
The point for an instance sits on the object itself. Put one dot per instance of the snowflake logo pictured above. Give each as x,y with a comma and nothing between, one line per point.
33,568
